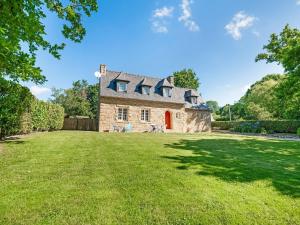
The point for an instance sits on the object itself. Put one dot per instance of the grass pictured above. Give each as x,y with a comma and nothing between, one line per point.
90,178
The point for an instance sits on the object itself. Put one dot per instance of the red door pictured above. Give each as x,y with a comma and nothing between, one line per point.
168,120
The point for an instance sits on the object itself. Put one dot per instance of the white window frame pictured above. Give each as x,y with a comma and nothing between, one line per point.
122,114
194,100
144,88
167,91
119,83
145,115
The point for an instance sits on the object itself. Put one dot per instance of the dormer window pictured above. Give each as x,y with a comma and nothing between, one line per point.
192,96
145,90
167,91
121,86
194,100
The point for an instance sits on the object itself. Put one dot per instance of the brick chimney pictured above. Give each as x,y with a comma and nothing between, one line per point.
102,69
171,80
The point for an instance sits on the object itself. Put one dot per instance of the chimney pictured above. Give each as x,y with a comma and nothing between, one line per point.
171,80
102,69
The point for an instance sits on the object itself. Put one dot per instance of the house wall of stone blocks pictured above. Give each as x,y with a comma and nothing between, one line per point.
182,120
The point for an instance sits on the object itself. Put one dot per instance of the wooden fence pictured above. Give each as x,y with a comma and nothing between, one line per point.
80,124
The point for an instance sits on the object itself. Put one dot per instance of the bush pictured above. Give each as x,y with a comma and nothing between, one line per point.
46,116
56,116
270,126
14,101
20,112
298,132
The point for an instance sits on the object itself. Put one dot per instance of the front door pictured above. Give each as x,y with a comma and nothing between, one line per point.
168,120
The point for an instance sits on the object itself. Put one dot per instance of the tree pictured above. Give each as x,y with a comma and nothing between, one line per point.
284,49
261,100
213,105
80,100
186,78
14,101
22,33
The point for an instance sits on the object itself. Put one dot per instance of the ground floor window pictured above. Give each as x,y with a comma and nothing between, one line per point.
145,115
123,114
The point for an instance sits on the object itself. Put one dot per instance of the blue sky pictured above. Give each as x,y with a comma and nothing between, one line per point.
219,39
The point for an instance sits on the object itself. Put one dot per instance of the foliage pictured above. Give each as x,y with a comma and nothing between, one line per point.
20,112
186,78
279,126
55,116
259,103
149,179
46,116
284,49
213,105
298,132
14,102
80,100
22,33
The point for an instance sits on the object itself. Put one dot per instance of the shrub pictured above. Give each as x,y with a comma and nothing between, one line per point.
298,132
21,113
14,102
278,126
55,116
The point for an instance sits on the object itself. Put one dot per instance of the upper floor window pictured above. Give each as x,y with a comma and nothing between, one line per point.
145,90
194,100
167,91
123,114
121,86
145,115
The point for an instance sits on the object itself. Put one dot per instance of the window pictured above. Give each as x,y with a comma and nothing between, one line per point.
145,115
121,86
194,100
178,115
122,114
167,92
145,90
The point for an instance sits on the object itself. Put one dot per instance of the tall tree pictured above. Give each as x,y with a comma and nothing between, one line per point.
80,100
186,78
213,105
22,33
284,49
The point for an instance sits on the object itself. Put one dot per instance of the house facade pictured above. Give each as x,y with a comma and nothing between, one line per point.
146,102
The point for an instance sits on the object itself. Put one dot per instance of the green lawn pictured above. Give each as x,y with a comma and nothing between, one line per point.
90,178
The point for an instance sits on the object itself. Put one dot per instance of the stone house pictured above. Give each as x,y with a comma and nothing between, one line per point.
145,102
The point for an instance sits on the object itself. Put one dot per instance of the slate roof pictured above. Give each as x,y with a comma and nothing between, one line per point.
146,82
165,83
108,89
192,93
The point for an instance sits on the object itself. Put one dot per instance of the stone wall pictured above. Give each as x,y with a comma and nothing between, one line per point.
198,121
181,120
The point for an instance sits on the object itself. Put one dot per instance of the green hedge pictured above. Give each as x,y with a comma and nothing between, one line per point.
21,112
278,126
43,116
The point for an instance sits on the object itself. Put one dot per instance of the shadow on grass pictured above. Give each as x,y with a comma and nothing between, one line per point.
244,161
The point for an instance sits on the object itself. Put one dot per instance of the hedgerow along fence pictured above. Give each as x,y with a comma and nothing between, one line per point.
277,126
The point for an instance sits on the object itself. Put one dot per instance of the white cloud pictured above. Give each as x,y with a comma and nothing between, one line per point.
163,12
186,15
37,91
240,21
298,2
97,74
256,33
158,19
159,27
